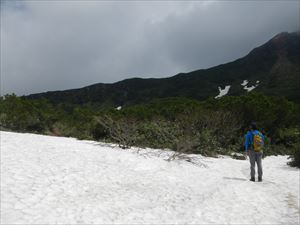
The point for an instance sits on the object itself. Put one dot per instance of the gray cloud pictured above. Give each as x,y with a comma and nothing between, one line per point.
60,45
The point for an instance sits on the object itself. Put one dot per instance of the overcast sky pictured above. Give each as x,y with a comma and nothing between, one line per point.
59,45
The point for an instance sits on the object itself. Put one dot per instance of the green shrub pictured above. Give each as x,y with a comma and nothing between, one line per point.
99,132
209,127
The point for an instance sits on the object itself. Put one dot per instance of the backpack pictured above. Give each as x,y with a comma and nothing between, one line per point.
258,142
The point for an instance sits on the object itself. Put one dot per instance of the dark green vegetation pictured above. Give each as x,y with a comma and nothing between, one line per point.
276,64
208,127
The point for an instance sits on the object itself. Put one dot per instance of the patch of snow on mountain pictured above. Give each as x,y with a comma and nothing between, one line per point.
249,88
57,180
245,82
223,91
119,108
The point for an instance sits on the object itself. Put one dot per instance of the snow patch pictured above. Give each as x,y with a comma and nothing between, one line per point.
251,87
223,92
245,82
119,108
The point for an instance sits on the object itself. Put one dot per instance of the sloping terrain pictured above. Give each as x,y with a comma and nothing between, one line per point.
48,180
273,69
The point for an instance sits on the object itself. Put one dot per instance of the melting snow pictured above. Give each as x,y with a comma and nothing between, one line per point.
245,87
245,82
55,180
223,91
249,88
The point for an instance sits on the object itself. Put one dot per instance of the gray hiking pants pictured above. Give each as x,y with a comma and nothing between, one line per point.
255,157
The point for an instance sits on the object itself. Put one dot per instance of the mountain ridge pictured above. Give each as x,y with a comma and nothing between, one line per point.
275,64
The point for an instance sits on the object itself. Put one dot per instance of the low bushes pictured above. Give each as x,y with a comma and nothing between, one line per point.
210,127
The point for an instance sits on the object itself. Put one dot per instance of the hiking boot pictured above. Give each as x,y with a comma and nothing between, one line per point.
259,179
252,179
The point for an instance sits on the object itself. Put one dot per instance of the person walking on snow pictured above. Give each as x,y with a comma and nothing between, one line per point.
254,149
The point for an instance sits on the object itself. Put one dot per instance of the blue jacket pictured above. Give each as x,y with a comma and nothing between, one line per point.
249,139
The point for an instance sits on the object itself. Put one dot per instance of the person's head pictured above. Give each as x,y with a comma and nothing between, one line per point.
253,126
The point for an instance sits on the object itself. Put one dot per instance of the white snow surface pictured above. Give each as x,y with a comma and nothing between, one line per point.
223,92
119,108
51,180
250,88
245,82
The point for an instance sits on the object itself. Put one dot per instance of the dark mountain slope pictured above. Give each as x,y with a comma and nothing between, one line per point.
276,65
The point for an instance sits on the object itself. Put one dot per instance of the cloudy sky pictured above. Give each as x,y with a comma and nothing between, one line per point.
57,45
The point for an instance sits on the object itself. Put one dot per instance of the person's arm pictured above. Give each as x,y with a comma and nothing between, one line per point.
246,145
247,142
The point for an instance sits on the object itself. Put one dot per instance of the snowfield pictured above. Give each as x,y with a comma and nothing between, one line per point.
223,92
50,180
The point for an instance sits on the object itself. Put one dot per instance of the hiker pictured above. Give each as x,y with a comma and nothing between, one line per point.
254,143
